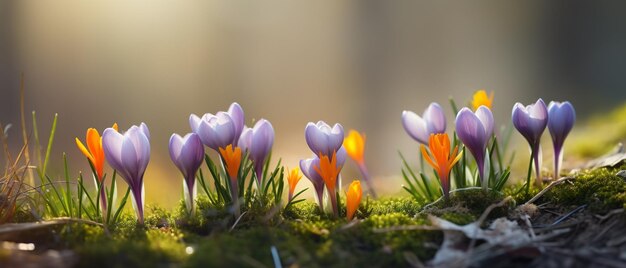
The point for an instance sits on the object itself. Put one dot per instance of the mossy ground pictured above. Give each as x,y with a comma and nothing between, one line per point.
301,235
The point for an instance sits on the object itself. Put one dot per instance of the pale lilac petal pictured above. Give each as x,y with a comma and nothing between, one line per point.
175,149
341,157
194,121
315,138
335,138
112,146
245,140
236,113
435,118
486,118
144,128
415,126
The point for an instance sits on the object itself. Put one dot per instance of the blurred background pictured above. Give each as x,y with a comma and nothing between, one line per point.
359,63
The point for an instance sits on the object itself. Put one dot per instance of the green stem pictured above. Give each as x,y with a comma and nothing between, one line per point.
530,167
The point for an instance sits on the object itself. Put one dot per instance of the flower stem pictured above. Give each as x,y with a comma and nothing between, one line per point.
366,178
557,162
103,203
333,202
536,152
530,167
234,193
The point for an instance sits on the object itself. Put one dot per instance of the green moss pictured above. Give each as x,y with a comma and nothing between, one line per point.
601,190
465,206
129,245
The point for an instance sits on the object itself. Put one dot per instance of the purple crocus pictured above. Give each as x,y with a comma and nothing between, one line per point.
215,131
129,154
561,118
322,139
433,121
475,130
307,166
258,142
187,153
531,121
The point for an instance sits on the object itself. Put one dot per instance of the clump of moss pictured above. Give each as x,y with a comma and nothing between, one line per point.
405,205
135,248
250,247
601,190
465,206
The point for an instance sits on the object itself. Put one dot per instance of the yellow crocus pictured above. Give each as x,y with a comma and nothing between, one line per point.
480,98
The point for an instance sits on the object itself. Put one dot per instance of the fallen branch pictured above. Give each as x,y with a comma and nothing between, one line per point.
17,227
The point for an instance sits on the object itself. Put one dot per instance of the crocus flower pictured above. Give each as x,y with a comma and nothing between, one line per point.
475,130
354,144
215,131
258,142
293,177
129,154
481,99
329,172
441,159
232,159
322,139
307,166
95,154
353,199
187,154
531,121
419,128
561,118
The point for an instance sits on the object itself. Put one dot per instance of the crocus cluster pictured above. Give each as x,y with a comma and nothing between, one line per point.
531,121
129,153
227,134
323,169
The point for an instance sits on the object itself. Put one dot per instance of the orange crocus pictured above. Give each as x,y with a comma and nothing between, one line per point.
353,199
441,159
293,178
480,98
329,171
93,151
354,144
232,159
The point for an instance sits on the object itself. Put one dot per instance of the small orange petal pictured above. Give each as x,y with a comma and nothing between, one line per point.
353,199
84,150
